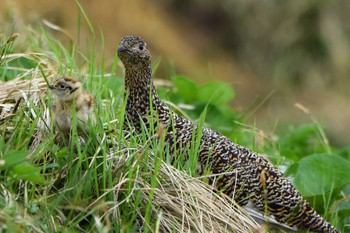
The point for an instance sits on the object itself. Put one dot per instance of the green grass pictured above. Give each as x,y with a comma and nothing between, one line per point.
124,183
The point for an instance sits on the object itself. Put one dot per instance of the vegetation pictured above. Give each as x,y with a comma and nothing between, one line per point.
124,183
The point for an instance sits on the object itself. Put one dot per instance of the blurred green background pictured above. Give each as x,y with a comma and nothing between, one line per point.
275,53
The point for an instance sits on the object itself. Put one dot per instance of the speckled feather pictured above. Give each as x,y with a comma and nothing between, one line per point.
244,174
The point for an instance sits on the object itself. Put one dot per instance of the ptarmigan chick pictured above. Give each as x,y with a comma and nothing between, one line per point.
71,101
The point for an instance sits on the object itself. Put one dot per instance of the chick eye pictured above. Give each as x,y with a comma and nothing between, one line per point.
62,86
141,47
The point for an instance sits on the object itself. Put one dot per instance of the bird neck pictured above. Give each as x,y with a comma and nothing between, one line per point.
138,79
142,95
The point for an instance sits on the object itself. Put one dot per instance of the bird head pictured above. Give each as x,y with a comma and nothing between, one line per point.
133,52
66,88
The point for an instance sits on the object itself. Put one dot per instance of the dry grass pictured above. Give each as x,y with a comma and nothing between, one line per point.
184,204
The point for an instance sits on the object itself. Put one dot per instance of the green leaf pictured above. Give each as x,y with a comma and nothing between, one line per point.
12,158
26,171
33,208
86,18
300,141
185,88
320,173
17,166
217,93
2,144
344,206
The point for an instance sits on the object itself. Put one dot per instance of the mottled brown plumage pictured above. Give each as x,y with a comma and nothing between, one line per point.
243,174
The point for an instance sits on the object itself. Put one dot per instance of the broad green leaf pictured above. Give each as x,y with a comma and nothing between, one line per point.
300,141
320,173
12,158
186,88
217,93
26,171
344,206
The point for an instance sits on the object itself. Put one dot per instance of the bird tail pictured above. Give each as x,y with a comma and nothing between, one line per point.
308,218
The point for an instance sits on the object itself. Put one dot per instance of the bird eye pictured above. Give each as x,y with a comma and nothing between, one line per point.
141,47
62,86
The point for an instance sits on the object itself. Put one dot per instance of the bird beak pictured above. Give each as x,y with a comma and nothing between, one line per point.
51,87
122,49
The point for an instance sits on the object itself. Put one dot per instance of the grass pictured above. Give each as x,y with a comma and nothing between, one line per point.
108,183
118,181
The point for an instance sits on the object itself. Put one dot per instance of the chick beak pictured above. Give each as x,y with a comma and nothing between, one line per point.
51,86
